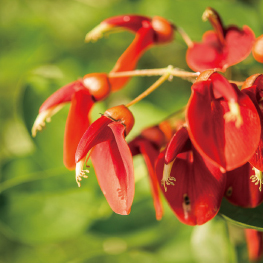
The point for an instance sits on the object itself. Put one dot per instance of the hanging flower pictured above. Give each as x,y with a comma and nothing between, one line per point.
221,48
223,122
191,184
244,186
82,94
111,157
148,32
149,143
254,244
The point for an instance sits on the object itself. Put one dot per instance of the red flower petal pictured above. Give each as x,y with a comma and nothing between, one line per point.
62,95
128,60
212,54
178,144
197,192
113,165
240,190
150,154
254,244
222,142
130,22
97,132
76,125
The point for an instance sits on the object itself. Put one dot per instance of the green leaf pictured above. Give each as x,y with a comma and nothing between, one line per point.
243,217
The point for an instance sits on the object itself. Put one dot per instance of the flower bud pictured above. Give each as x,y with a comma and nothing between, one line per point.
98,85
122,114
257,49
164,30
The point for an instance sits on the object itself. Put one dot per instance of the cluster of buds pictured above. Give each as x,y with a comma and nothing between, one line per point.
212,148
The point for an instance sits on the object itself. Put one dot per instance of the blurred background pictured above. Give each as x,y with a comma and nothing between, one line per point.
44,216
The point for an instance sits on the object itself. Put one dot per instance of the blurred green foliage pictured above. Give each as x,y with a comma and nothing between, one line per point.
44,216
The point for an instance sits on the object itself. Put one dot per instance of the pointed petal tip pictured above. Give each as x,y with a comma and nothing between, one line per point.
98,32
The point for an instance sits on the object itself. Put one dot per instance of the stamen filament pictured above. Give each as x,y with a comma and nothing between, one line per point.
167,179
185,37
80,173
257,178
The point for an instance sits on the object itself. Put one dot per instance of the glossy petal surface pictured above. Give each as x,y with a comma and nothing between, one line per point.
150,154
113,165
212,54
76,125
128,60
222,142
197,192
62,95
240,190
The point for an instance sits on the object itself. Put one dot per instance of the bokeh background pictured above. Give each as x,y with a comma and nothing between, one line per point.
44,216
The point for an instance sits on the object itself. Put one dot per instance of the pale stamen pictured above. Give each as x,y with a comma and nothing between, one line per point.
257,178
167,179
43,117
80,173
234,114
186,206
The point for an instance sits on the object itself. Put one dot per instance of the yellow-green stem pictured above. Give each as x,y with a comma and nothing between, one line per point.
153,87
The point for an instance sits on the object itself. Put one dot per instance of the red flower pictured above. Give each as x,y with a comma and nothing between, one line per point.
254,244
223,122
192,185
82,94
221,48
253,87
149,143
148,32
244,185
111,157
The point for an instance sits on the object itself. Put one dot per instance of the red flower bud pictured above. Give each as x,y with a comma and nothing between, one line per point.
257,49
123,115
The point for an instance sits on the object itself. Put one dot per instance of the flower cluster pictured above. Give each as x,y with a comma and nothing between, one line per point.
212,148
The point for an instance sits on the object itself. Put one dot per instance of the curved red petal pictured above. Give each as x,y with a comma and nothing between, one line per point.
150,154
76,125
62,95
222,142
239,44
96,133
240,190
177,144
211,54
128,60
198,190
130,22
113,165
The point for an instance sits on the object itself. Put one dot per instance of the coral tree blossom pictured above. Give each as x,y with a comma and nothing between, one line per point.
221,48
82,94
111,157
149,31
223,122
191,184
149,143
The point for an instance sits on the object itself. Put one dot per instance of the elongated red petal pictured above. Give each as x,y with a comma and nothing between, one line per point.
77,123
212,54
177,145
222,142
113,165
240,190
130,22
150,154
254,244
128,60
197,192
62,95
97,132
